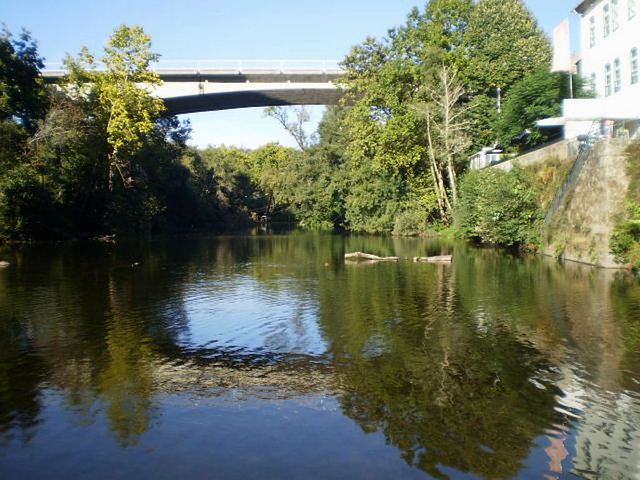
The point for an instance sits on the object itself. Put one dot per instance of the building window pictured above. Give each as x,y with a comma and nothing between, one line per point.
592,82
634,66
631,6
606,20
607,80
592,31
617,76
614,15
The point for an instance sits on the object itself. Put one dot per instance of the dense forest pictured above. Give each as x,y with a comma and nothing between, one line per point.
98,155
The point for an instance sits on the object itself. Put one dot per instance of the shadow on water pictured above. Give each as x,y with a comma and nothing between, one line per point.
495,365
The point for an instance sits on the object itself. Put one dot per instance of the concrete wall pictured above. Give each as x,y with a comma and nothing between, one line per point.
562,149
581,227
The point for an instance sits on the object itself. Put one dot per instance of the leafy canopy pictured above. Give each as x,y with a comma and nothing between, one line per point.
130,109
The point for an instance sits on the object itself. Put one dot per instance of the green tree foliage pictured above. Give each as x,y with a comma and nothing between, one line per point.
535,97
225,176
129,108
504,44
407,97
625,239
26,204
25,198
498,207
138,182
423,99
310,184
295,128
71,150
95,156
420,99
23,98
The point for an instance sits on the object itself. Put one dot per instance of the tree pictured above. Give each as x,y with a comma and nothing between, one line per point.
406,121
504,44
129,107
23,97
533,98
295,128
26,201
448,21
446,133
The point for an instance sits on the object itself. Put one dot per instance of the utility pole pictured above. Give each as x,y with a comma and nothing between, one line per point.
571,83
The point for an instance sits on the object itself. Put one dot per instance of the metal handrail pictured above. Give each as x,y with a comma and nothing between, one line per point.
584,150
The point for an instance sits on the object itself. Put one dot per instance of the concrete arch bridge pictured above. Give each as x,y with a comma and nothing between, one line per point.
190,86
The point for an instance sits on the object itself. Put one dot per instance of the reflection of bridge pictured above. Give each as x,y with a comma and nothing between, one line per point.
199,86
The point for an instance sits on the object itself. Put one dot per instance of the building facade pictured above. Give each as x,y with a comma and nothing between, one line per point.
610,62
610,44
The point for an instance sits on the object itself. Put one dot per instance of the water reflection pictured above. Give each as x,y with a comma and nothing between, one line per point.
494,366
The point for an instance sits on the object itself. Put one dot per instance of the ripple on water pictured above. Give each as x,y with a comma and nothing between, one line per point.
235,312
604,426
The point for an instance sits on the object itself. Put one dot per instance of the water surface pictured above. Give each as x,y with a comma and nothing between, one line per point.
272,357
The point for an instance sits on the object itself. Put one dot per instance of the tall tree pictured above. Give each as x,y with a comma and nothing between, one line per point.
386,80
446,136
121,93
504,45
25,199
23,97
22,93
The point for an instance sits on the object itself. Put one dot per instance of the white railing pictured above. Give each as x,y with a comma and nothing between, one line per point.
235,66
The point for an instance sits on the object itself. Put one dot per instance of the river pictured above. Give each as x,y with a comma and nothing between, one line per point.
269,356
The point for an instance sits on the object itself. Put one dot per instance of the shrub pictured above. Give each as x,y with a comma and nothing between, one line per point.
410,223
26,204
498,207
625,238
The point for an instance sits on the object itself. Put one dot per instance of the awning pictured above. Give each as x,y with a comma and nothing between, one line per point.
551,122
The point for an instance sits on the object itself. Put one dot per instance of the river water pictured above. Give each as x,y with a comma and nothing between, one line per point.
271,357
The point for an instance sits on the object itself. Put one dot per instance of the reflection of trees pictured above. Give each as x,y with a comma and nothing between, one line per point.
445,388
103,324
550,303
126,381
449,362
21,372
79,306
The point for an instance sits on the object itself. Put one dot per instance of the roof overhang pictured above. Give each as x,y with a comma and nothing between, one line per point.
551,122
584,6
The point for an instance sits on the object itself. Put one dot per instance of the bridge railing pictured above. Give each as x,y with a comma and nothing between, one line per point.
231,66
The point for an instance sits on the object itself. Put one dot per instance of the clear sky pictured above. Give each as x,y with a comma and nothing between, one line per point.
229,29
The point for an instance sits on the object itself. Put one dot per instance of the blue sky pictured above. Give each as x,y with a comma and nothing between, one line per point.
223,29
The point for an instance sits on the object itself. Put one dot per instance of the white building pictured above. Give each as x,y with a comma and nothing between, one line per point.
610,44
610,57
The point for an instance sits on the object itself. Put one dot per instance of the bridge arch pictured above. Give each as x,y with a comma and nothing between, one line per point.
252,98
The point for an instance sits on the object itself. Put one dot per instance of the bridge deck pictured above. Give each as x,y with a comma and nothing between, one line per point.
205,88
